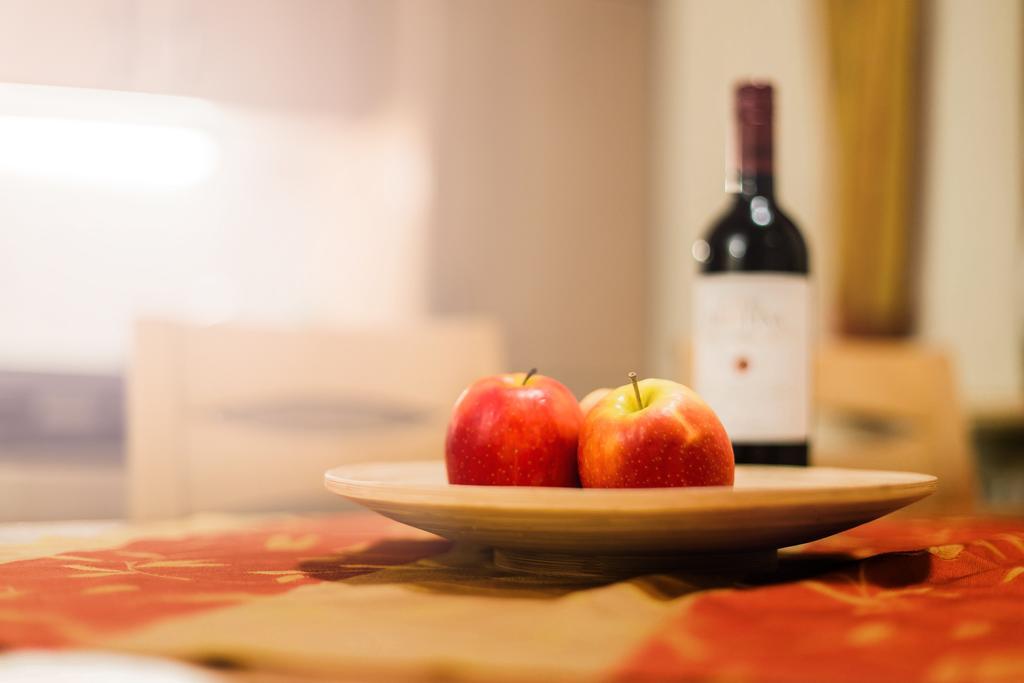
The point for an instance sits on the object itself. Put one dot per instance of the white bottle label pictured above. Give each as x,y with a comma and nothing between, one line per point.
751,353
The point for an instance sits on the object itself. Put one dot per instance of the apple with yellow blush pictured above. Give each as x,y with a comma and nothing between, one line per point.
593,398
653,433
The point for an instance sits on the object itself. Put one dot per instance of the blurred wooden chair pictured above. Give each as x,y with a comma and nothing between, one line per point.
235,418
895,405
892,405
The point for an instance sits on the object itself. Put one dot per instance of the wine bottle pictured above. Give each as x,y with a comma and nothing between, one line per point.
752,308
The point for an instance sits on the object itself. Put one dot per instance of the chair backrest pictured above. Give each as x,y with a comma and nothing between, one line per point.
235,418
891,405
898,406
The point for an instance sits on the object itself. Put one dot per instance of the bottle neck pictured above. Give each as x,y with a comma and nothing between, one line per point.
754,134
756,184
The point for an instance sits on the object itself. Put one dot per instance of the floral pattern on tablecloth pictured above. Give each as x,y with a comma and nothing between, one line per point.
73,598
937,601
915,601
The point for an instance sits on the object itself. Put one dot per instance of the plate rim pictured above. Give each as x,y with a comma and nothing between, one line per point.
914,486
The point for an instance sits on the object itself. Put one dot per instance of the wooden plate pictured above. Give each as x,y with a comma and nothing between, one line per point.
546,528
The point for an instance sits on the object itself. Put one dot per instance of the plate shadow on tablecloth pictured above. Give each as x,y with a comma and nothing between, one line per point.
464,569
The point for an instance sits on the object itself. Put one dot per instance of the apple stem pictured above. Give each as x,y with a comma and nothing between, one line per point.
636,389
531,373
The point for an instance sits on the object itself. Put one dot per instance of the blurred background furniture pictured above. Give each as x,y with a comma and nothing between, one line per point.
238,418
895,405
890,405
61,436
998,438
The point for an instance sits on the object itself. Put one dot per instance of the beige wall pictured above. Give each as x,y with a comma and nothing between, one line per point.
380,160
384,160
703,48
541,214
974,266
279,54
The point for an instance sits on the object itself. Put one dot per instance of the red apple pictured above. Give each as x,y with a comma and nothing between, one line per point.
654,433
592,399
516,429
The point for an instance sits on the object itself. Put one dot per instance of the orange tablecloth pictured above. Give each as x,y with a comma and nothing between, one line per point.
936,601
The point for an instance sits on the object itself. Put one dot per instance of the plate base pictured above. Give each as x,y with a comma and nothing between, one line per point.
611,566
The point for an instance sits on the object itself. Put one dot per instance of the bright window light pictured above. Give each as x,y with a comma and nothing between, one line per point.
122,154
96,137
